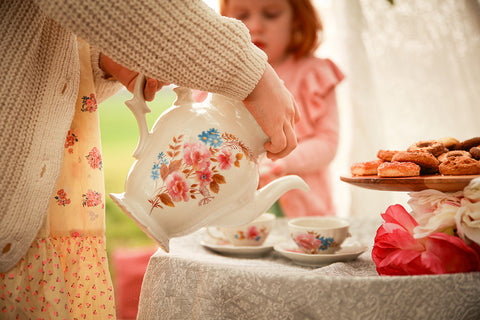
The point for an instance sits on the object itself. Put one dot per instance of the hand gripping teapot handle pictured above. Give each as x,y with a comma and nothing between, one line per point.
139,108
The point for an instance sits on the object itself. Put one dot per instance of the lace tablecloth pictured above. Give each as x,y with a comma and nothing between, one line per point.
192,282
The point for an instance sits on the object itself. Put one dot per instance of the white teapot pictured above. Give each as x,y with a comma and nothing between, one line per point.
197,167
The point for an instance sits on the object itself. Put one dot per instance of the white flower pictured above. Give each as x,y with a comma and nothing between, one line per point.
434,211
472,191
468,220
440,220
428,201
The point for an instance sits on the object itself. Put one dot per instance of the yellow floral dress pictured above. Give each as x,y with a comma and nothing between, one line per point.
64,275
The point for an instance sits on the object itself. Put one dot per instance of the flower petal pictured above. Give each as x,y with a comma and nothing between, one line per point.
472,191
397,252
432,264
397,214
444,219
453,253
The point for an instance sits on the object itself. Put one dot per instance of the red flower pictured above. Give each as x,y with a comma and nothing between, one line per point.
397,252
70,139
204,176
91,198
196,155
89,103
252,232
177,187
61,198
225,159
308,242
94,158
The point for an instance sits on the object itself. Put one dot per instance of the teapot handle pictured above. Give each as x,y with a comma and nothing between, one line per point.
139,108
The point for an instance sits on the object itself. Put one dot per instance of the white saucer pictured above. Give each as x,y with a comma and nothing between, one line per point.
240,251
350,250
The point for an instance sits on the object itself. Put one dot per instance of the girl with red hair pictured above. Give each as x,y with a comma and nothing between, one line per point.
289,32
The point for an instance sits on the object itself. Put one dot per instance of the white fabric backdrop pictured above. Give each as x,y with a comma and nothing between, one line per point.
413,73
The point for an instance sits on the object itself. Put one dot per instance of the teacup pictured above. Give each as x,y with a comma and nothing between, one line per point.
253,233
318,235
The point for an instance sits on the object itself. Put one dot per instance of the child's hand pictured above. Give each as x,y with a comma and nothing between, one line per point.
274,108
128,77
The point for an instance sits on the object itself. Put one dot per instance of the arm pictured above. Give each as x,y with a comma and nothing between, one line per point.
186,43
182,42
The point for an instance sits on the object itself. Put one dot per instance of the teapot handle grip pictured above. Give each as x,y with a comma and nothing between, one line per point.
139,109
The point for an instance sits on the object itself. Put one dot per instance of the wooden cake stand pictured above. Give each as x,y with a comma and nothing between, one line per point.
419,183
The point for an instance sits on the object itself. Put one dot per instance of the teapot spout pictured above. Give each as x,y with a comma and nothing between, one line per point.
270,193
264,199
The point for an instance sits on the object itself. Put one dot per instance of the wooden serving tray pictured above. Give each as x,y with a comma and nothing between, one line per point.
419,183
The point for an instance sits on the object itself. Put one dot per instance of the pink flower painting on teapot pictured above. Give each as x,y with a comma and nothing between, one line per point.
198,174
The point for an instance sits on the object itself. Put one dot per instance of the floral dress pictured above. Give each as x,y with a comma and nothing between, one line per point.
65,275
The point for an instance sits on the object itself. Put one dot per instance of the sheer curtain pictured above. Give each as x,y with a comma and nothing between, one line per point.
412,73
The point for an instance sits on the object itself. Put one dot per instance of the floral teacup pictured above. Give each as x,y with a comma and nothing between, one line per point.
318,235
251,234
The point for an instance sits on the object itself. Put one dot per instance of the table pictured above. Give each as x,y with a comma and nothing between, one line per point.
192,282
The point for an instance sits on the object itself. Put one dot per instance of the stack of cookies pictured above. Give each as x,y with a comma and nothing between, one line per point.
446,156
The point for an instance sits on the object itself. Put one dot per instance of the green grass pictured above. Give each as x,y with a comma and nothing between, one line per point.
119,133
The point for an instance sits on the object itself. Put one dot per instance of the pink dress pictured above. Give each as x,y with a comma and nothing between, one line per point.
312,82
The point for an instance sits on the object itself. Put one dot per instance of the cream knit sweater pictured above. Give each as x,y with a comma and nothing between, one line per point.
176,41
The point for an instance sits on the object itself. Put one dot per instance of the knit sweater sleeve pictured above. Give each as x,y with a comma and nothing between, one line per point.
183,42
104,87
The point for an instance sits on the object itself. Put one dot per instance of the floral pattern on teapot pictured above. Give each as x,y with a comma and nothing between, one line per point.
197,175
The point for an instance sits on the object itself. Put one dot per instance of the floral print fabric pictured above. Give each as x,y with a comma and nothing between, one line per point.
65,273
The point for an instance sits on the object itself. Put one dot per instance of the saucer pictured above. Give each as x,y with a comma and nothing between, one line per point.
226,248
350,250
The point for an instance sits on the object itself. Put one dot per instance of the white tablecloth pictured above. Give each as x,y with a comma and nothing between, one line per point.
192,282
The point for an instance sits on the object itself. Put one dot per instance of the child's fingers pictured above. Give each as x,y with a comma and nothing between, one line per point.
277,143
151,88
289,143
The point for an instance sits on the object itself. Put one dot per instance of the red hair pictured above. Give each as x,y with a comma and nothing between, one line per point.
305,36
